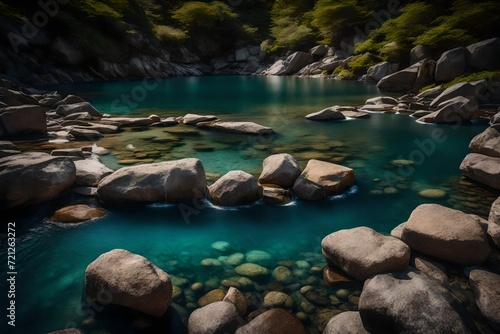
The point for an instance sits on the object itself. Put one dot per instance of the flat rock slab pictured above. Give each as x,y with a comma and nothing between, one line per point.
446,234
238,127
361,252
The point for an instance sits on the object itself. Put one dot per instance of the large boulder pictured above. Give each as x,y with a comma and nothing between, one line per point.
23,120
235,188
456,110
77,213
327,114
419,53
409,302
345,323
129,280
471,90
238,127
401,81
216,318
89,172
482,168
280,169
319,50
451,64
296,61
486,288
484,55
275,321
487,142
380,70
361,252
321,179
170,181
446,234
33,178
81,107
494,223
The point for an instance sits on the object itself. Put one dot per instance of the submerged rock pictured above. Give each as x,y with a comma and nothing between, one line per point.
170,181
328,114
446,234
280,169
216,318
238,127
251,270
33,178
237,298
77,214
361,252
320,179
235,188
409,302
275,321
129,280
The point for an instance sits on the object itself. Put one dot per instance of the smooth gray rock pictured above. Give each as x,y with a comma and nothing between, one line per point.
470,90
129,280
482,168
235,188
484,55
33,178
454,111
280,169
238,127
381,70
486,288
81,107
409,302
89,172
451,64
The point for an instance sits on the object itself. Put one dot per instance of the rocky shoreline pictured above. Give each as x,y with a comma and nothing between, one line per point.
443,262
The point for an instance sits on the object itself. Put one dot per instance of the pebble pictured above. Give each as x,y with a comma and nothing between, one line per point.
303,264
342,294
432,193
221,246
210,262
235,259
258,257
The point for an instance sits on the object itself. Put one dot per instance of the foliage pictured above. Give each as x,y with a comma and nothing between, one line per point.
169,34
291,35
336,19
111,8
11,12
470,77
196,15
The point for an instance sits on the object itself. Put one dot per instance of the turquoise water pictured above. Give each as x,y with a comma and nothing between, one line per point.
51,259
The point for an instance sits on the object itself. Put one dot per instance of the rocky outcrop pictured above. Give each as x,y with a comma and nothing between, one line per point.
89,172
482,168
345,323
456,110
250,128
275,321
361,252
446,234
321,179
471,90
484,55
33,178
451,64
280,169
171,181
486,288
409,302
77,214
215,318
25,120
129,280
401,81
235,188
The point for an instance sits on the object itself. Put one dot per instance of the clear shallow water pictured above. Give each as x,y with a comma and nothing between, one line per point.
51,259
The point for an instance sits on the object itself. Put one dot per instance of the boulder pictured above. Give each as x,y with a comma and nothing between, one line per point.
380,70
419,53
210,297
327,114
277,299
129,121
487,142
409,302
484,55
446,234
33,178
23,120
238,127
296,61
77,214
456,110
193,119
170,181
129,280
482,168
345,323
89,172
280,169
320,179
235,188
251,270
451,64
401,81
494,223
425,75
361,252
278,68
237,298
72,99
430,93
81,107
471,90
382,100
275,321
319,50
486,288
432,269
215,318
273,194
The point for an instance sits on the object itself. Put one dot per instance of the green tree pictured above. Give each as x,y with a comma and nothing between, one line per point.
197,15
